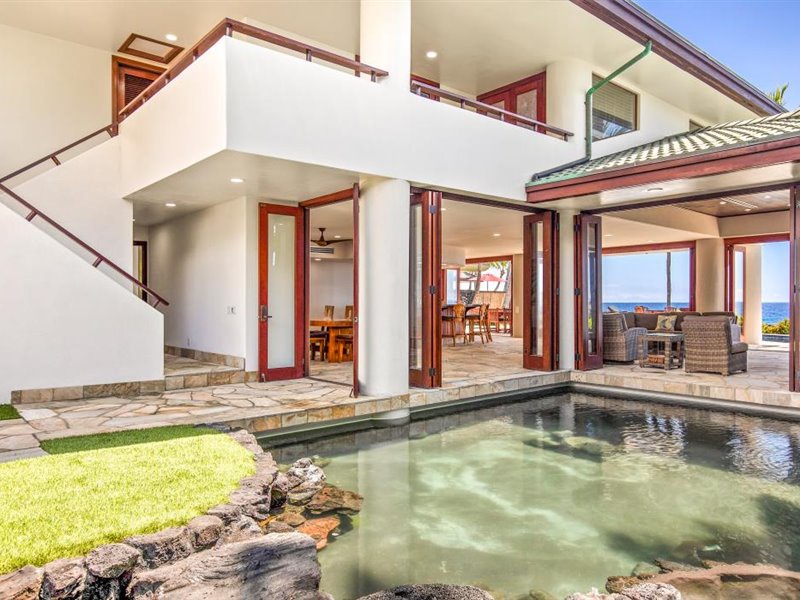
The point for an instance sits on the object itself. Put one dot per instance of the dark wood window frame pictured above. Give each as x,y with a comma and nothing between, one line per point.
143,245
121,66
509,92
691,246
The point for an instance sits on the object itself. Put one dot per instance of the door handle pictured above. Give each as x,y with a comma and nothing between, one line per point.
263,316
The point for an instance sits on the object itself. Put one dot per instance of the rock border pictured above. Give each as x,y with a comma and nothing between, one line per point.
111,571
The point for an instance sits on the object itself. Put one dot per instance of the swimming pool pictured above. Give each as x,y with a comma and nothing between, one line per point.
557,494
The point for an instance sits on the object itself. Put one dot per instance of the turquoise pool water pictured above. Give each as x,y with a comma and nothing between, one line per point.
557,494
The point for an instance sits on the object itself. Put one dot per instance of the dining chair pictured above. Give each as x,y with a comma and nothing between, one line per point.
454,324
344,344
475,323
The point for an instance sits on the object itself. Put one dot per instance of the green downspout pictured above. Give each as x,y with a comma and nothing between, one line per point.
648,47
591,91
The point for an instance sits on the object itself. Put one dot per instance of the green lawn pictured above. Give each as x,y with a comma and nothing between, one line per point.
8,412
104,488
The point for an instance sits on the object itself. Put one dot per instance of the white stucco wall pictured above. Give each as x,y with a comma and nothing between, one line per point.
199,263
54,92
84,195
326,117
567,83
65,323
329,282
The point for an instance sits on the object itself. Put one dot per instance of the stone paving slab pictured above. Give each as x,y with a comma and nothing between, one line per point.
259,407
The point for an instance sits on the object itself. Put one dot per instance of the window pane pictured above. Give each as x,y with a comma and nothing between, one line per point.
280,274
415,289
613,110
526,104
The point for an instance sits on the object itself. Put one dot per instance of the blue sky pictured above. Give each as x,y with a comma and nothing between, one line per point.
641,278
756,39
759,41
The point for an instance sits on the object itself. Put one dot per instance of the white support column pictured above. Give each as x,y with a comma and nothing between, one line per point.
384,219
566,285
386,39
567,82
710,290
752,295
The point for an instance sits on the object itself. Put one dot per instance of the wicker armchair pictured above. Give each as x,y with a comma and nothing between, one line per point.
620,343
710,347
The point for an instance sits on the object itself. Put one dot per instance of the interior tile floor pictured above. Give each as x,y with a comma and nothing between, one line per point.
460,362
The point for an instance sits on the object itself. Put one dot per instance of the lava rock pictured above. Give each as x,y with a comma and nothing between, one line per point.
305,480
204,531
331,498
430,591
320,529
163,547
252,503
290,518
280,489
22,584
279,567
278,527
244,528
112,560
246,439
227,512
64,579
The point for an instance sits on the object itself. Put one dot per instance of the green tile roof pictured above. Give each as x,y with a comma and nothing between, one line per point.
714,138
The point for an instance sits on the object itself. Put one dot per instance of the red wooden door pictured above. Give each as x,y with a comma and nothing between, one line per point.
588,292
794,288
356,207
540,301
425,304
281,285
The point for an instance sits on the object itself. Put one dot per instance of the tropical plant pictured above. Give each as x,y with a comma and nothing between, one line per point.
779,328
779,93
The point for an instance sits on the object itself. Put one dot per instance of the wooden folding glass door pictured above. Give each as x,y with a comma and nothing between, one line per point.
425,306
588,292
281,274
540,302
794,289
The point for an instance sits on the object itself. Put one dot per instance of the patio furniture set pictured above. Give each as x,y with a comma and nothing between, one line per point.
699,342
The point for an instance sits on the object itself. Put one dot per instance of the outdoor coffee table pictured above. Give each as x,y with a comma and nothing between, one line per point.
661,350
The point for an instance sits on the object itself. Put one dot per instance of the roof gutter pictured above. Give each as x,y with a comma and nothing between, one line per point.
588,103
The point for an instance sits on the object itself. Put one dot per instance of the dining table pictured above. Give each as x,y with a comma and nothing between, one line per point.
334,327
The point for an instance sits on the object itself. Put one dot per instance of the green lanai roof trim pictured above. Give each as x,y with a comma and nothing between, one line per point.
713,138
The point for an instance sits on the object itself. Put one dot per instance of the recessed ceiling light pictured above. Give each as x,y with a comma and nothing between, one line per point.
317,259
608,235
747,209
767,197
655,189
171,37
431,54
722,202
495,235
337,237
170,205
443,209
237,180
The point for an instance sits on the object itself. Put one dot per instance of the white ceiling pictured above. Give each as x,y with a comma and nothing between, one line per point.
208,182
464,225
482,44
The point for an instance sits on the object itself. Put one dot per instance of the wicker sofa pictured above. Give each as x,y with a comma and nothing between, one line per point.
622,330
711,346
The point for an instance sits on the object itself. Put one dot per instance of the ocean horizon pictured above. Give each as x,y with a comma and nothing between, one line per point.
771,312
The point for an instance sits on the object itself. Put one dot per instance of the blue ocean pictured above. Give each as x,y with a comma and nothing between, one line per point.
771,312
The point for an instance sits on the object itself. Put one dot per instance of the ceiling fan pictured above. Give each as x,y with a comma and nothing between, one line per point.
323,242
